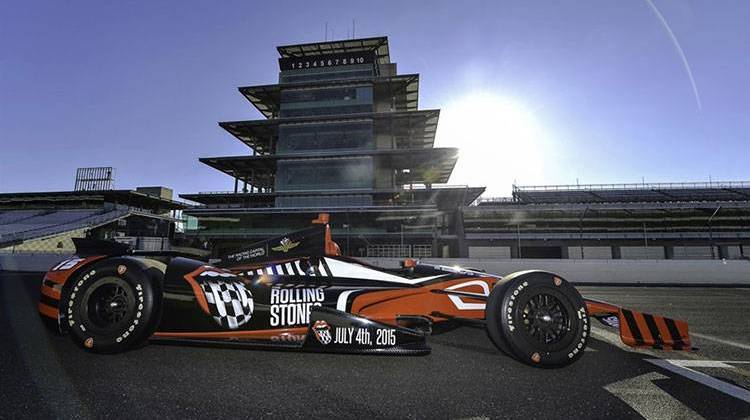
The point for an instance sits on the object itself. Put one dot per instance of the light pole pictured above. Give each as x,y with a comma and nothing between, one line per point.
401,248
711,232
580,230
518,235
367,243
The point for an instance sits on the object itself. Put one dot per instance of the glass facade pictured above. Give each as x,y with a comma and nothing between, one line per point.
340,136
326,101
313,138
322,174
320,74
325,201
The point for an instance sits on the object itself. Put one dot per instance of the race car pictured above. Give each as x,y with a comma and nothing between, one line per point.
297,292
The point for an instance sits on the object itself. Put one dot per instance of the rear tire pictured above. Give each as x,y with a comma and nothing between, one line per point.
538,318
113,306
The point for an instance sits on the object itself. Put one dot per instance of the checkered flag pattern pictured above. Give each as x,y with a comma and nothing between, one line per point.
230,303
322,332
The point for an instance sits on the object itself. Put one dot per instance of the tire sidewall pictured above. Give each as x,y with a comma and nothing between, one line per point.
138,322
493,317
517,293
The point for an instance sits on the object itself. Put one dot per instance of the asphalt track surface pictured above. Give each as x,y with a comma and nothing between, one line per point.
464,377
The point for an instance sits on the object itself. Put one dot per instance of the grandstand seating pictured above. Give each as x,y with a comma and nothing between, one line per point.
14,216
620,193
24,225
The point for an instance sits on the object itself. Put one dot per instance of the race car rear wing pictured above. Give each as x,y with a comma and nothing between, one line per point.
314,241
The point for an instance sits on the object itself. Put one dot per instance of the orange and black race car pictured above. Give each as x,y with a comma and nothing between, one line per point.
297,292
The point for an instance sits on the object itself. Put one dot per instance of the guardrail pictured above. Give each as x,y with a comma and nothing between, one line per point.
633,186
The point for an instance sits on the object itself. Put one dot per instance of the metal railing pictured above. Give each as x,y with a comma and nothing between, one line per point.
406,187
482,200
634,186
340,232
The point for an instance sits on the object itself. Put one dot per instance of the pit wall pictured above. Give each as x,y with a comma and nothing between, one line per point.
625,272
30,261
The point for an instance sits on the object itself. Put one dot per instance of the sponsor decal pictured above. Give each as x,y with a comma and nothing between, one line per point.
584,317
229,302
291,306
67,264
248,254
512,301
364,336
322,332
288,338
285,245
138,314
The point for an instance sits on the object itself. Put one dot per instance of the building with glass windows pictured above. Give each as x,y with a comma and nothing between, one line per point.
343,135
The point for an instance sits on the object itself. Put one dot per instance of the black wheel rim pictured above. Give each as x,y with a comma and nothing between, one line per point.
545,319
109,303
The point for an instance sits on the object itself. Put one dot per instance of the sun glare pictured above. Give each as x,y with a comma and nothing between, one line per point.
499,142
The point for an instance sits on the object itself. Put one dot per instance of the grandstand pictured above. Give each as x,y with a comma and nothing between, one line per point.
643,192
46,221
612,221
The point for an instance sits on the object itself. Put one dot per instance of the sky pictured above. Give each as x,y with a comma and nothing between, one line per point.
532,92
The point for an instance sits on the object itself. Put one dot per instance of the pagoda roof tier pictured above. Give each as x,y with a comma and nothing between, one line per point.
414,166
436,194
378,45
412,129
408,211
403,88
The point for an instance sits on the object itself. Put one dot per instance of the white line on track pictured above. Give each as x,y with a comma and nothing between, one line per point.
721,340
680,367
700,363
702,378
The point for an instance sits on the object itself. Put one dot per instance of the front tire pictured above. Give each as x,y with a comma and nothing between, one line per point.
538,318
113,306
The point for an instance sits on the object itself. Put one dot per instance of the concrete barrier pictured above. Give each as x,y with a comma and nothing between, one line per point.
626,272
